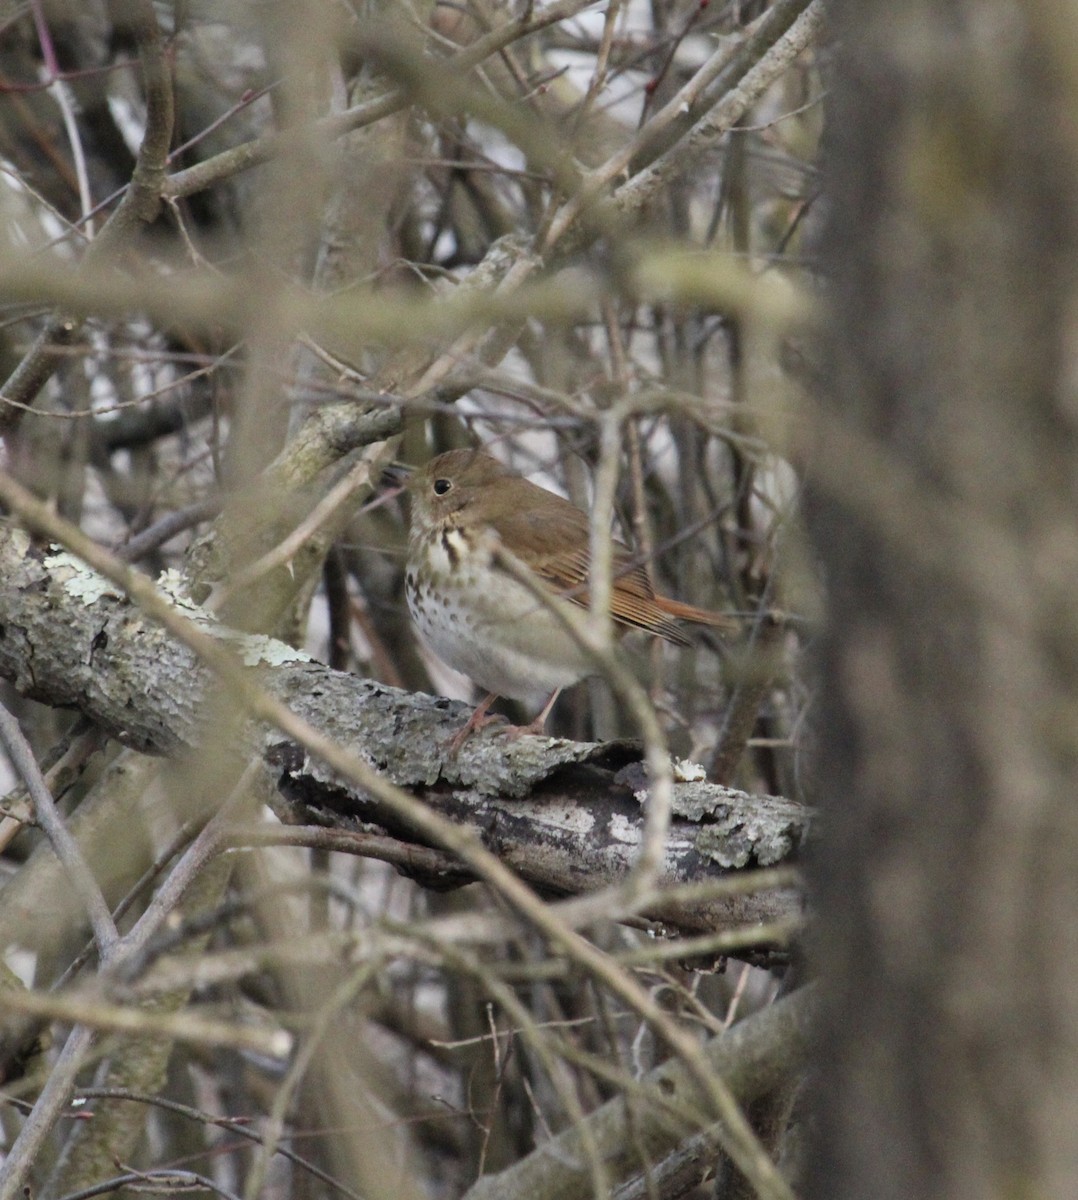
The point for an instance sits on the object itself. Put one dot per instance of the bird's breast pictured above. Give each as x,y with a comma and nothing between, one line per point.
481,621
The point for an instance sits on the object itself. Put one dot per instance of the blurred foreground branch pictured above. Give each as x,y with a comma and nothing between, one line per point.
754,1058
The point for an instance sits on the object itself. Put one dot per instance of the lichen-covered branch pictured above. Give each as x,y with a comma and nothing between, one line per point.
566,816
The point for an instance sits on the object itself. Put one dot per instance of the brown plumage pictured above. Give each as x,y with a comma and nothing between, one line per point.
482,621
551,535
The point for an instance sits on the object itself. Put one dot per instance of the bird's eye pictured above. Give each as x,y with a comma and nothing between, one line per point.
441,486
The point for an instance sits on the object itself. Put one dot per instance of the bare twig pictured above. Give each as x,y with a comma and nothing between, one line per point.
168,527
236,1127
139,204
65,846
285,550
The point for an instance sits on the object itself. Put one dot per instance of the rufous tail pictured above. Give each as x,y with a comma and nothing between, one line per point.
698,616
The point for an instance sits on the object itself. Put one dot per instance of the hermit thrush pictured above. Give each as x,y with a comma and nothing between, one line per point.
483,621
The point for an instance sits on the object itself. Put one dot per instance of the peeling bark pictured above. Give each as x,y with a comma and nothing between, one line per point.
566,816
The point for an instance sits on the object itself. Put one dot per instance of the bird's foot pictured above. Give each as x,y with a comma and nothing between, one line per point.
479,719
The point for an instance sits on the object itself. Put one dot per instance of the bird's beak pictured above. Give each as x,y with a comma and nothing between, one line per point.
396,475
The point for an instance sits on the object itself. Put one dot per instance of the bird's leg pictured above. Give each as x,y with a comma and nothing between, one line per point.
539,724
480,719
477,720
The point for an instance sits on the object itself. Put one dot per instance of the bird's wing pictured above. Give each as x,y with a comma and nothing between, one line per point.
553,540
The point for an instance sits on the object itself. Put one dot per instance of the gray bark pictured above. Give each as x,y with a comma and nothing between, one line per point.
948,877
566,816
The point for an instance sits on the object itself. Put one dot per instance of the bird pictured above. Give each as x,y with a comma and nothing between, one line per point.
474,612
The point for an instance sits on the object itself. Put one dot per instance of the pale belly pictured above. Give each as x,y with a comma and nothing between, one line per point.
505,640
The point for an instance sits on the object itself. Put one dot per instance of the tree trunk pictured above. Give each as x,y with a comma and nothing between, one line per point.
947,878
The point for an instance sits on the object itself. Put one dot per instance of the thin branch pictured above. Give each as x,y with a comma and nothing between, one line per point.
236,1127
91,1013
260,150
164,1183
678,115
66,848
58,89
752,1057
30,1143
167,528
641,189
140,204
202,849
406,855
285,550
